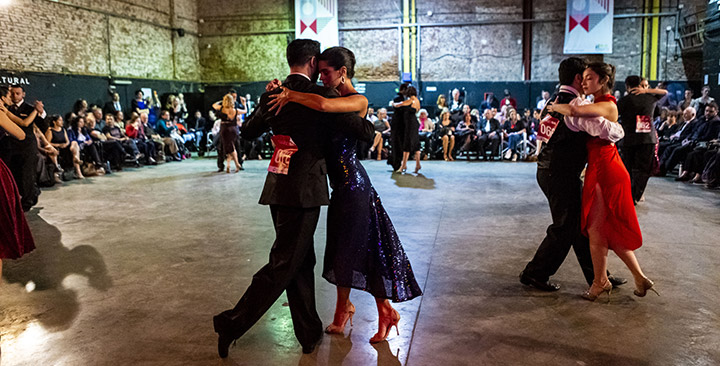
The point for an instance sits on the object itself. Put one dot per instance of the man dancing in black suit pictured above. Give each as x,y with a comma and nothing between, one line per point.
294,194
560,163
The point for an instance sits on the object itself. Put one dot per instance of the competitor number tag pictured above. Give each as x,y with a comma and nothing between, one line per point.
284,150
642,124
547,128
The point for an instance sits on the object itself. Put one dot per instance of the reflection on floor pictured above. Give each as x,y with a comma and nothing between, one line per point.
131,267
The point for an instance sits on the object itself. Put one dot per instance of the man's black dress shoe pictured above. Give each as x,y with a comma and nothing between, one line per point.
540,285
617,281
310,348
224,342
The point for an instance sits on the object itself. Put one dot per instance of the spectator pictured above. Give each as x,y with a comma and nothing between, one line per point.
136,131
490,102
154,137
545,97
687,102
165,128
447,135
441,105
113,106
489,133
426,129
706,129
682,133
669,127
98,116
79,135
197,124
700,103
120,119
111,152
382,133
465,133
508,100
113,133
80,108
370,116
139,104
699,158
513,130
69,150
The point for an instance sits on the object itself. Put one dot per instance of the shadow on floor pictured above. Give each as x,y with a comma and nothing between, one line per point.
418,181
42,271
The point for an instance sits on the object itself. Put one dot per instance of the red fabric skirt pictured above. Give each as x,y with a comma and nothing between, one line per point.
15,237
606,170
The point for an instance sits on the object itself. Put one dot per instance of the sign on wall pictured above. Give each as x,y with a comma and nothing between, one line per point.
589,26
317,19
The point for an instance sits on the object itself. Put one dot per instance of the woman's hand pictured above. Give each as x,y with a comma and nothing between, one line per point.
277,101
636,90
564,109
273,84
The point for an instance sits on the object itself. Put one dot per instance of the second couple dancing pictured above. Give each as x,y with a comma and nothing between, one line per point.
315,132
596,215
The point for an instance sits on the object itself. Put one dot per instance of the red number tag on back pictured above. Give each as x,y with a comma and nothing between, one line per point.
284,150
642,124
547,128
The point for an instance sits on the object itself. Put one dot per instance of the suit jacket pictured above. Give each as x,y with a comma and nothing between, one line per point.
109,107
305,185
566,152
23,111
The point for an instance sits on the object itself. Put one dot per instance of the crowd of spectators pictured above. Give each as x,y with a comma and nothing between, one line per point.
91,140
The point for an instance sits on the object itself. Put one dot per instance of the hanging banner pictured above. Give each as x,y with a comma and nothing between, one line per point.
589,26
317,19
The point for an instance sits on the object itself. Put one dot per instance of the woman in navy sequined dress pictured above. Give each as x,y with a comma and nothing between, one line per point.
363,250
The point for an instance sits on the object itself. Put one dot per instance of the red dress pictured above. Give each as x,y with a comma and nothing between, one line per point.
606,170
15,237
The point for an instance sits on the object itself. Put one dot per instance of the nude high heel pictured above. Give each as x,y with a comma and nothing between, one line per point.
348,315
389,321
643,287
591,296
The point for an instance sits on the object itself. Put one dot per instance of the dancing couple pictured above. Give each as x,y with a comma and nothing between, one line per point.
318,131
600,214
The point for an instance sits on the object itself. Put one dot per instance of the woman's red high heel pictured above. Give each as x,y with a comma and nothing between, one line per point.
389,321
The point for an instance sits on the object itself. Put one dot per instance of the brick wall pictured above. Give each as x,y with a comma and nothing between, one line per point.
95,37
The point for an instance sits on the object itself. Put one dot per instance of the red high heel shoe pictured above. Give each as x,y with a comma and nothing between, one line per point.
347,315
389,321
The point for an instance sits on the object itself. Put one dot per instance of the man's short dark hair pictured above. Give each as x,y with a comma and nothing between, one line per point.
632,81
232,91
17,86
570,67
301,51
712,105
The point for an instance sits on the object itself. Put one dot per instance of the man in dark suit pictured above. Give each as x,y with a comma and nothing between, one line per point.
294,199
113,106
560,163
21,156
489,131
638,146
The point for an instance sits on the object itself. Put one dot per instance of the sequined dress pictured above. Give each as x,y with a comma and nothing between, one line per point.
363,250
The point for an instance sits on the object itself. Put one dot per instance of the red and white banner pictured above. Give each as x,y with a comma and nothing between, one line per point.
317,19
589,26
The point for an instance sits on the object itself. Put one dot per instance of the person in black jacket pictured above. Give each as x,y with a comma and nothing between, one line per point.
21,155
638,146
295,188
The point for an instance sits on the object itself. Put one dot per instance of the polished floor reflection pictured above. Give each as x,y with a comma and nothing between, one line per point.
130,268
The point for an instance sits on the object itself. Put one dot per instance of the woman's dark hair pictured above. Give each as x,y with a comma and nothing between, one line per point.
4,89
338,57
410,91
75,121
403,87
54,118
78,106
69,116
604,70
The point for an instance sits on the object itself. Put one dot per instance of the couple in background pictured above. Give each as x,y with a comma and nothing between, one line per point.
315,132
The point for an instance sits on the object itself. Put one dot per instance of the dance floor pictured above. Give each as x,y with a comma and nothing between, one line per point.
129,270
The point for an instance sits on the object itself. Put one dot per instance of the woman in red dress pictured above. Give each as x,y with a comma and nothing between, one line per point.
608,214
15,237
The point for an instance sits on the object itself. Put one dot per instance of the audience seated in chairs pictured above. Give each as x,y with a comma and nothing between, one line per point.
706,128
111,152
113,133
136,131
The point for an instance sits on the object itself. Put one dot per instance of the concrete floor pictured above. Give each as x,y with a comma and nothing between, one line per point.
130,268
